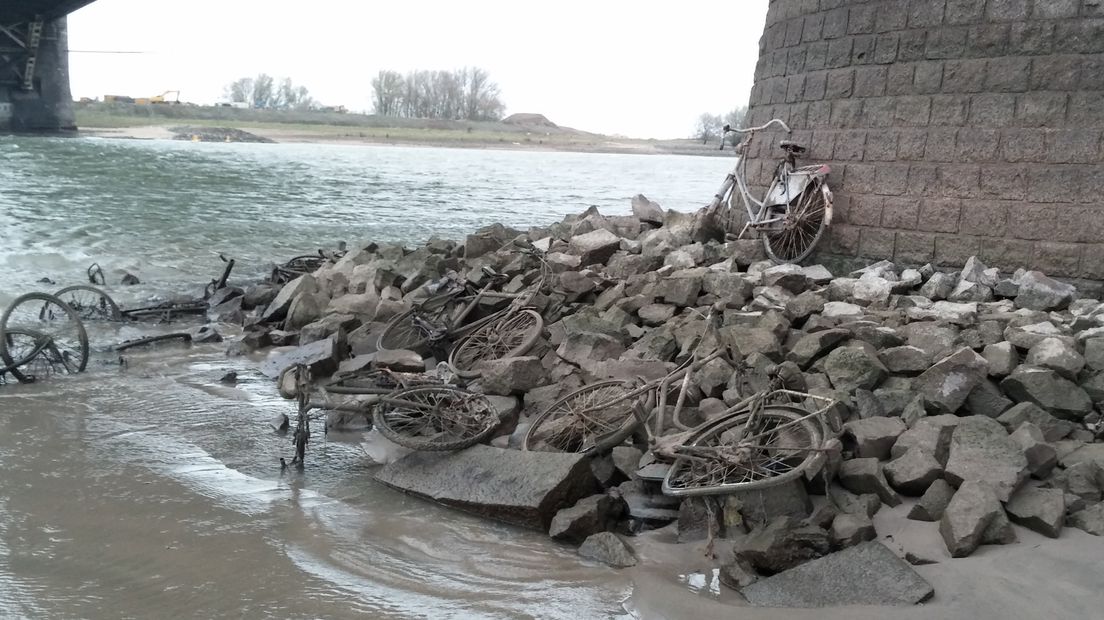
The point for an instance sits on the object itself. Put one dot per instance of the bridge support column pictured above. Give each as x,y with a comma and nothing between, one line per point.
34,77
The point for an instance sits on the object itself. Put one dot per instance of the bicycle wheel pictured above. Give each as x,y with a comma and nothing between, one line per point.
510,336
436,418
51,319
579,422
26,350
745,452
802,227
403,332
91,303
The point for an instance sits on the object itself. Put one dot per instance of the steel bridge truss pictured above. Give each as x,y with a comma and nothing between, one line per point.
19,46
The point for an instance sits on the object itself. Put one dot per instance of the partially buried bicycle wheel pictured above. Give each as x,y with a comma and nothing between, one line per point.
795,238
435,418
745,452
594,418
45,323
410,330
512,335
91,303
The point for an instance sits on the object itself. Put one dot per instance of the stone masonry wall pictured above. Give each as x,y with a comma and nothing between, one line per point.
953,127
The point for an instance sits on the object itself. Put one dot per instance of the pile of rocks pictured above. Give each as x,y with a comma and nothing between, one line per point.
973,394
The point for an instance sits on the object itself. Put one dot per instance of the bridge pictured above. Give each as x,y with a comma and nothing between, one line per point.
34,65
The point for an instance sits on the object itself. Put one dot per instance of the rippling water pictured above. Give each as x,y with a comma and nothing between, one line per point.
152,490
164,210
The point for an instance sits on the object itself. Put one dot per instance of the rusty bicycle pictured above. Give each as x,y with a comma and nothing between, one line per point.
41,336
793,214
766,439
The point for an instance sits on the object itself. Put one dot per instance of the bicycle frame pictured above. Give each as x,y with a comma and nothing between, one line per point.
519,301
788,183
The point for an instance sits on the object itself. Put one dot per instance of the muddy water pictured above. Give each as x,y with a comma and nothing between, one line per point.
156,491
151,490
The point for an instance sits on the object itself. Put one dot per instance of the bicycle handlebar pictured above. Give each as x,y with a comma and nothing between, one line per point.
781,122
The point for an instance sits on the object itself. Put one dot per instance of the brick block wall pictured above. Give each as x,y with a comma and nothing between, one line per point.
953,127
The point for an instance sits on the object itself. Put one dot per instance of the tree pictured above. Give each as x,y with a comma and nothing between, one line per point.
292,97
240,90
463,94
263,92
735,119
389,87
708,127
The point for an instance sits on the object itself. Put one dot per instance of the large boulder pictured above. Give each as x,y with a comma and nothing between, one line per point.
933,503
865,475
1038,292
586,349
936,339
850,529
745,341
972,509
781,544
522,488
681,288
1089,520
905,359
595,247
1002,358
1060,397
609,549
872,437
590,515
932,434
811,347
913,472
278,308
763,505
1053,429
1042,510
1041,456
321,357
987,399
866,574
1058,355
957,313
947,384
512,375
853,367
647,210
850,503
982,451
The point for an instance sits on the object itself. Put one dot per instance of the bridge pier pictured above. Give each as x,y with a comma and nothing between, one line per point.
34,77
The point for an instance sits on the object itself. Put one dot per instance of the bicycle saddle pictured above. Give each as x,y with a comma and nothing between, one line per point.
792,147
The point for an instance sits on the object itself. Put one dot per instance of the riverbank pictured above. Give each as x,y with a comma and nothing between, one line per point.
937,444
156,122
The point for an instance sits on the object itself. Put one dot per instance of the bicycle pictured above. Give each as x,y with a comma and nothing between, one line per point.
794,212
413,411
40,335
509,332
304,264
93,303
766,439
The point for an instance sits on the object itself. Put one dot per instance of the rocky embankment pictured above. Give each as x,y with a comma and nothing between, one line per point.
972,396
216,134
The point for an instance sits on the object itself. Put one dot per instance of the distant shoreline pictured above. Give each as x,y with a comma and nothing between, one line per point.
157,123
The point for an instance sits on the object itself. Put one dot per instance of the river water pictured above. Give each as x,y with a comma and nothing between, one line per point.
151,490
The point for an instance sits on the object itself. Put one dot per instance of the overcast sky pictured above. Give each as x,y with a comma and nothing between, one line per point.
642,69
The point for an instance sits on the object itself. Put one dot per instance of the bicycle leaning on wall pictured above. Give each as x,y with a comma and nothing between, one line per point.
793,214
